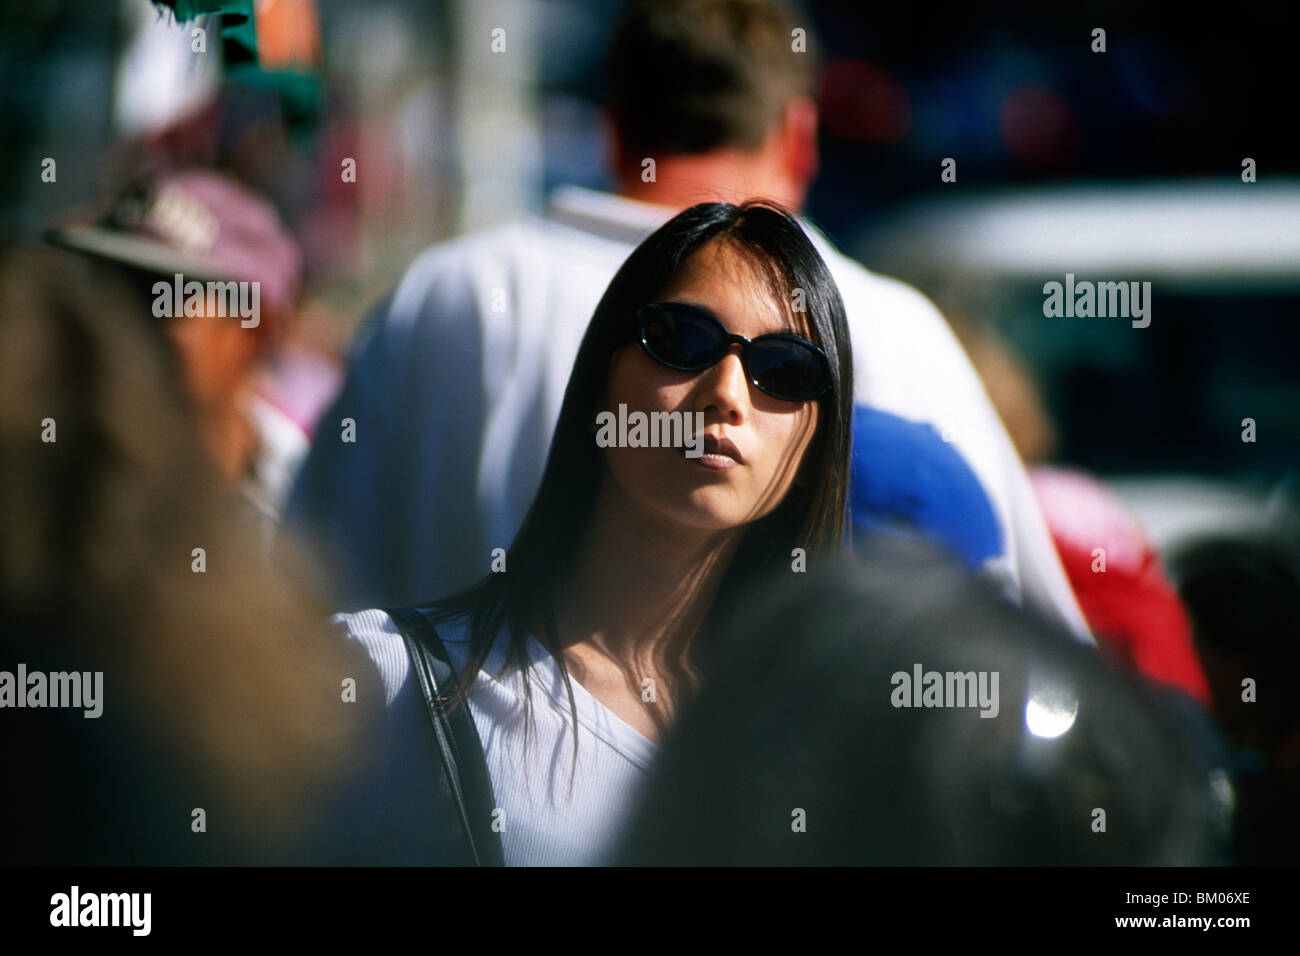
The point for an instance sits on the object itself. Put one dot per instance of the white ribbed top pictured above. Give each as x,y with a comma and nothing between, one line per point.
545,823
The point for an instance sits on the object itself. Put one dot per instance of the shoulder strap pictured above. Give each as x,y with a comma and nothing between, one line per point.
465,774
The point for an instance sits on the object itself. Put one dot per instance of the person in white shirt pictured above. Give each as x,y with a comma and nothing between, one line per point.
578,652
427,461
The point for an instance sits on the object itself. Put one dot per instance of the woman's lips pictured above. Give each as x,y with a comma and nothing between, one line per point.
718,462
719,454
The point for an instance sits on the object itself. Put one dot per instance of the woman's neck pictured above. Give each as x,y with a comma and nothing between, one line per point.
641,585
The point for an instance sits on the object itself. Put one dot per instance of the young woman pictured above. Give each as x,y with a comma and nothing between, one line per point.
601,615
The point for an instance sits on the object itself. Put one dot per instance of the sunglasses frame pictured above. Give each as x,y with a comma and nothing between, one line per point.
726,340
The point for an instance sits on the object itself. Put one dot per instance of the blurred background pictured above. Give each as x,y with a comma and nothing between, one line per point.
1123,165
1169,158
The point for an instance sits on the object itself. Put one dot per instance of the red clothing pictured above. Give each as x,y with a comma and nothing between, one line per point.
1130,605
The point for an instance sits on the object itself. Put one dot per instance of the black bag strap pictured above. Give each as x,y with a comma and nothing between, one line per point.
465,774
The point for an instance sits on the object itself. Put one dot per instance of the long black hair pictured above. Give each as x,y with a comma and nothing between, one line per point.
812,516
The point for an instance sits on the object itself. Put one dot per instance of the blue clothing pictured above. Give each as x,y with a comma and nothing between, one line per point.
905,476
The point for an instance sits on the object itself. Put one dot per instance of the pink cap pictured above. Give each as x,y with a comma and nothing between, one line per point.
202,224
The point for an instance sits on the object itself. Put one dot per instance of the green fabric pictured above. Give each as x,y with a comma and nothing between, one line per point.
243,32
299,90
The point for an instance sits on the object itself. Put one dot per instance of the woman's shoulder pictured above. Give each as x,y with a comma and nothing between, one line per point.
376,633
388,811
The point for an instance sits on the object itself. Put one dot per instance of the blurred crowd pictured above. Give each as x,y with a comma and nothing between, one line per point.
190,490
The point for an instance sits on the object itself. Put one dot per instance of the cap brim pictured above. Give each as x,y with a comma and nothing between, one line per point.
139,252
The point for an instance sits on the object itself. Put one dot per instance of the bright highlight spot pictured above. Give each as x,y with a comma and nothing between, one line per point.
1051,711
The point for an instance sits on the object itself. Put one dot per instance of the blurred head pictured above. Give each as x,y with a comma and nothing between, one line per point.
120,553
239,272
1242,594
798,751
714,90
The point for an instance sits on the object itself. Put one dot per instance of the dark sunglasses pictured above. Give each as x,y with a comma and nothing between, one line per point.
689,339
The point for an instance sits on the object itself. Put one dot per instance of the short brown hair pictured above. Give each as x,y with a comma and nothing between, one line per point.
691,76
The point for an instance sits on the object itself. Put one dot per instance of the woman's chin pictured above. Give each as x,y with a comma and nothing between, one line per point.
704,509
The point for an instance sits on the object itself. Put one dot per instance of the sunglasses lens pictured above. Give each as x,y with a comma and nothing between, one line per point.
784,368
682,340
787,369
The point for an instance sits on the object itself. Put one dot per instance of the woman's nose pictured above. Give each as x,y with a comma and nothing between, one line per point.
725,388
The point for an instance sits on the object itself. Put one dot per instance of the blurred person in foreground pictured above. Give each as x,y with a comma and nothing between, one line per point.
1242,593
433,450
213,264
824,750
218,718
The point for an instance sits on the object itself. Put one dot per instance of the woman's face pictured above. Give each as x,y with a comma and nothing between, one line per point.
767,436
